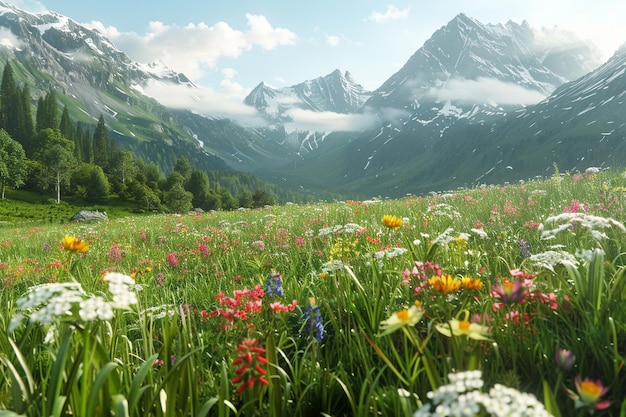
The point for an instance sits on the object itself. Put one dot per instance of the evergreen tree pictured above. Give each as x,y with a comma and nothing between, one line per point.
26,127
244,199
227,201
199,186
98,188
65,125
261,198
87,147
41,121
52,110
183,167
79,152
9,103
47,109
100,144
178,200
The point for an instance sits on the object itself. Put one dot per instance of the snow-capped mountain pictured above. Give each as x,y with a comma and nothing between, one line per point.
445,106
335,92
467,60
580,125
49,51
475,103
60,47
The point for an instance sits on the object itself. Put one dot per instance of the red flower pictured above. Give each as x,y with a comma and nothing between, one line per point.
250,372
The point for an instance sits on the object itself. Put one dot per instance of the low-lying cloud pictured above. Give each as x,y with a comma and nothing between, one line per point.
328,121
485,90
202,100
210,103
8,38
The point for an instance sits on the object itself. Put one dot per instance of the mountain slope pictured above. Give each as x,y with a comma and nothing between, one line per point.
50,51
335,93
580,125
467,74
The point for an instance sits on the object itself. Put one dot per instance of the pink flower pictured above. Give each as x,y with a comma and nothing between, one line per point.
172,260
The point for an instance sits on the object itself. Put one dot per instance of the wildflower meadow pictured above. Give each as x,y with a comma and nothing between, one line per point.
493,301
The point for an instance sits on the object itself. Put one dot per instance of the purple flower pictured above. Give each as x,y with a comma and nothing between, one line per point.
160,279
524,248
564,359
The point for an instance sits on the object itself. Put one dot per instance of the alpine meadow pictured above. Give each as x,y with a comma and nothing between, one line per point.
451,243
498,300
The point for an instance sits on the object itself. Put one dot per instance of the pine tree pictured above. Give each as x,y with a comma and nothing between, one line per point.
47,110
41,121
87,146
27,129
100,144
51,110
79,152
65,125
9,103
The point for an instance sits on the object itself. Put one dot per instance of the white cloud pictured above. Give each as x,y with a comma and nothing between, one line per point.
486,90
263,34
392,13
332,40
329,121
193,48
204,101
7,38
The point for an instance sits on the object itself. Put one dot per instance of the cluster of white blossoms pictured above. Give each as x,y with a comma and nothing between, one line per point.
463,397
46,303
349,228
595,225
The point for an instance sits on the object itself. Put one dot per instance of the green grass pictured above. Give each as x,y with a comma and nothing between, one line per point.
204,319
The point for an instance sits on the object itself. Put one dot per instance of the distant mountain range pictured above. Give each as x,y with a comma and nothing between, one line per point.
477,103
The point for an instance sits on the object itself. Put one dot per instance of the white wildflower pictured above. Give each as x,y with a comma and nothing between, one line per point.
445,238
462,398
480,232
588,254
551,258
95,308
574,221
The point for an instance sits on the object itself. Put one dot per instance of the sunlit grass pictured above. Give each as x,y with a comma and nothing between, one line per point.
352,308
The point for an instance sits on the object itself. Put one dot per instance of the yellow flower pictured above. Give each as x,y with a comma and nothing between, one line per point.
445,284
471,283
393,222
74,244
399,319
461,242
464,328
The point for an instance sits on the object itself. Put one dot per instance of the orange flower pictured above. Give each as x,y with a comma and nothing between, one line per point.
393,222
471,283
445,284
74,244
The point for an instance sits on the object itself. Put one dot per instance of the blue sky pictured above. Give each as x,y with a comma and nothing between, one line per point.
230,46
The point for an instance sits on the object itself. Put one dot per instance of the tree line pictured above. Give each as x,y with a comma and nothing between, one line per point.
55,154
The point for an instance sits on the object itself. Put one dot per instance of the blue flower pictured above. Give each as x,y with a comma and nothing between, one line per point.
274,284
314,324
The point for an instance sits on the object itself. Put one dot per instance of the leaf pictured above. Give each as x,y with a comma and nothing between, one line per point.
94,390
550,401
